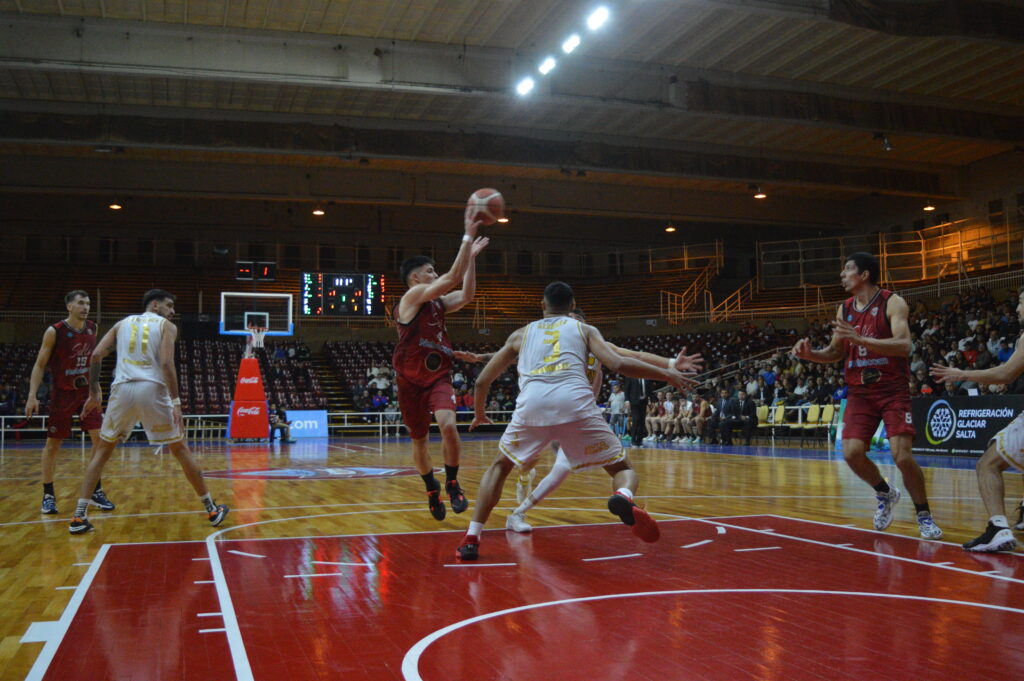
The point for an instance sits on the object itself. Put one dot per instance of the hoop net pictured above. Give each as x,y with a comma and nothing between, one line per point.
255,339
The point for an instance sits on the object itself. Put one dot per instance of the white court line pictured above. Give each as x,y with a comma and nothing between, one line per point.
206,558
210,631
66,588
863,529
625,555
767,529
843,544
205,581
479,564
720,529
948,562
243,553
697,543
208,614
236,646
60,631
317,574
327,562
410,663
760,548
82,564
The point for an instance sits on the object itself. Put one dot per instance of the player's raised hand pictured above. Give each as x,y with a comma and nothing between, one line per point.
480,419
479,244
31,406
679,380
471,225
688,363
942,373
802,349
844,331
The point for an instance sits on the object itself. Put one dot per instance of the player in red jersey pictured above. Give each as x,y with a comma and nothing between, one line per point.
423,360
872,338
65,349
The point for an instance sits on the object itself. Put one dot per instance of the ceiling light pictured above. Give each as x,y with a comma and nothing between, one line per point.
571,43
929,206
524,86
502,220
670,227
546,66
597,18
758,192
318,211
115,205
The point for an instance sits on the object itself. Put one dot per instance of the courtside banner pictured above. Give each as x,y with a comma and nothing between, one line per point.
961,425
307,423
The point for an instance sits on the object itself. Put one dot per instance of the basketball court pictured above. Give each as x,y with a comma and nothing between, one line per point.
330,566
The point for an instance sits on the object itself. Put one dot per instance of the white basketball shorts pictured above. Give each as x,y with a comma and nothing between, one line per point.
143,401
588,442
1010,442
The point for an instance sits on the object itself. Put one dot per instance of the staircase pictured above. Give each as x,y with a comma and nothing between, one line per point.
337,395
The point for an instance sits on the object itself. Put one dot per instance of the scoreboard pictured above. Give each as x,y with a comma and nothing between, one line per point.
327,294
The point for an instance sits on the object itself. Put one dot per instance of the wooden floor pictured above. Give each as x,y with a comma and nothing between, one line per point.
40,564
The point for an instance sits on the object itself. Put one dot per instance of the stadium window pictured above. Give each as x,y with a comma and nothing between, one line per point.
184,252
643,261
33,248
493,261
291,256
72,248
108,250
257,251
555,260
996,216
524,262
586,264
614,263
362,257
1020,208
144,252
327,257
396,254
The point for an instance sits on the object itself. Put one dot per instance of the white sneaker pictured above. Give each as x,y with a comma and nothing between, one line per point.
886,501
927,526
525,485
517,523
993,539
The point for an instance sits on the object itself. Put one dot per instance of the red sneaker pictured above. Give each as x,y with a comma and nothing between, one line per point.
645,526
469,549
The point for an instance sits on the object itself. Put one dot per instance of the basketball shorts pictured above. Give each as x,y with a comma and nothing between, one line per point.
65,404
865,408
417,404
1010,443
587,443
143,401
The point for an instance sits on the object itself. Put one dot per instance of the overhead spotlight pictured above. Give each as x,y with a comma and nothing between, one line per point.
670,227
758,192
502,220
571,43
884,139
546,66
524,86
597,18
929,206
318,211
115,205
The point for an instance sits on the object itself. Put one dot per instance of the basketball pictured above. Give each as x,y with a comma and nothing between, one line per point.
487,204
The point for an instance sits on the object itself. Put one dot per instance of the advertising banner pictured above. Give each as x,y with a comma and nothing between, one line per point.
961,425
307,423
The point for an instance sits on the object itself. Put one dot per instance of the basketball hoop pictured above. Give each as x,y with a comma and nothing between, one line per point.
255,340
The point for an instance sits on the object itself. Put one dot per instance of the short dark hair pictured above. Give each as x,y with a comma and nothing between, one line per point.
558,296
413,263
866,262
70,296
155,294
579,313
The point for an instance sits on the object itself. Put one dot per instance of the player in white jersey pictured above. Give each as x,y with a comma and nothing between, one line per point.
145,389
556,402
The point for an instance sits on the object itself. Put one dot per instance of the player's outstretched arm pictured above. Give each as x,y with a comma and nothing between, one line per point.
833,352
629,366
423,293
682,362
501,360
38,369
897,346
102,349
456,300
1005,373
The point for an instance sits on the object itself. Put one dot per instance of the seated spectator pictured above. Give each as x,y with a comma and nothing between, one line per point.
8,399
1005,350
279,422
379,401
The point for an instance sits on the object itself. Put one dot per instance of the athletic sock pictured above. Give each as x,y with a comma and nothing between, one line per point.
99,486
475,529
882,487
626,492
80,509
48,488
922,508
450,472
208,503
429,481
999,521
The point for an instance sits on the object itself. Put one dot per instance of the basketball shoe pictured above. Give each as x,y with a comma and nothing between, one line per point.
886,502
517,523
80,525
99,499
993,539
434,501
469,549
644,526
49,504
926,525
456,496
217,515
525,485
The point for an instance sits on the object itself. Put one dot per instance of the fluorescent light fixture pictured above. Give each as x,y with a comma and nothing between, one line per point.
571,43
546,66
597,18
670,228
115,206
525,85
502,220
318,211
928,206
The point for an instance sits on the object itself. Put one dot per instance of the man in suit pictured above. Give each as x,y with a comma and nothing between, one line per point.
637,390
748,416
727,414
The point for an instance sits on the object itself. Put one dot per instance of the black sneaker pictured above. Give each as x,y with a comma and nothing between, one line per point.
622,507
434,500
217,515
993,539
469,549
1019,525
99,498
80,525
456,496
49,504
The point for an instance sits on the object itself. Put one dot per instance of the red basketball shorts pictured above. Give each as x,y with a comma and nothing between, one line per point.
417,403
64,404
871,404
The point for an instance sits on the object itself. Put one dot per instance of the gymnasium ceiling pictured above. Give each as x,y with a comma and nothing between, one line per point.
689,98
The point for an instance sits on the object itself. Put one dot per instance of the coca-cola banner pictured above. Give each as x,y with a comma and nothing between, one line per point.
961,425
249,386
248,420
